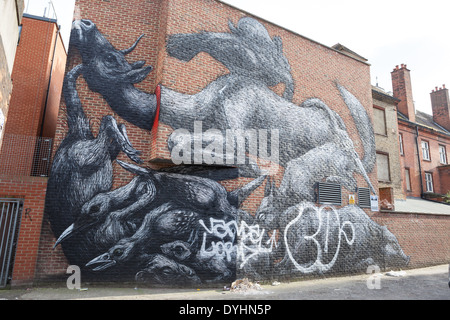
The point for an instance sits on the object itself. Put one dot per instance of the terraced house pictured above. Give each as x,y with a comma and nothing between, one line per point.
424,140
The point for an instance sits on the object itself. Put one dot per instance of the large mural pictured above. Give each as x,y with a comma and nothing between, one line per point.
180,225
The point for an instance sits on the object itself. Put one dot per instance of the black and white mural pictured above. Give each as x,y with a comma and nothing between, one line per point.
179,225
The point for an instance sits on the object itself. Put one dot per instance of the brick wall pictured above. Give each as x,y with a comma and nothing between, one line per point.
423,237
143,18
315,70
387,142
32,71
307,60
59,57
32,191
444,177
409,159
425,130
29,99
402,87
431,166
441,108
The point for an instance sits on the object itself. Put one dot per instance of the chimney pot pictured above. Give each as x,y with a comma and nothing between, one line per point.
440,104
401,86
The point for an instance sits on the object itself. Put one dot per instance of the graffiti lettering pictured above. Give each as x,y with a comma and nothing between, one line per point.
219,229
217,249
250,240
323,231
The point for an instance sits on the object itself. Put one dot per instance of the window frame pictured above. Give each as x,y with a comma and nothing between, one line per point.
408,179
388,166
425,151
384,121
429,182
400,141
443,155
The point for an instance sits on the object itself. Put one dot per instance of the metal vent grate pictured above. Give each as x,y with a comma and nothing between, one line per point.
330,193
364,197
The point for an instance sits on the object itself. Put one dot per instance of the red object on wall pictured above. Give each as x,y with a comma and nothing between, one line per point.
158,107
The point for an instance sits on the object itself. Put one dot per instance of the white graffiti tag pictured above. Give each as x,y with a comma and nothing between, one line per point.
250,240
250,244
323,233
219,229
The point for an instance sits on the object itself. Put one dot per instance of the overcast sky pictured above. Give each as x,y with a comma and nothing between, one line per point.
386,32
62,10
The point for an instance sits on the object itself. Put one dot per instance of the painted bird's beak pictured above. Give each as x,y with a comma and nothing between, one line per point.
74,228
104,261
66,234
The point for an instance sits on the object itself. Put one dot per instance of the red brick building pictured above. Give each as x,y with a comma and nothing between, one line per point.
28,135
424,138
39,70
117,206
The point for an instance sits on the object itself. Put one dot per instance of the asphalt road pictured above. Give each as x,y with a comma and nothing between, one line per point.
415,284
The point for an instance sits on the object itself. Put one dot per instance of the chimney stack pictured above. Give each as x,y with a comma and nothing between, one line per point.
402,89
441,107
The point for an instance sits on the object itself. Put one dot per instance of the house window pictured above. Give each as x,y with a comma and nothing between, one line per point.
407,179
383,167
400,142
379,121
442,155
425,151
429,182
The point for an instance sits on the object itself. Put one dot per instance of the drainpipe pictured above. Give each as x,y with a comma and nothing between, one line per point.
418,159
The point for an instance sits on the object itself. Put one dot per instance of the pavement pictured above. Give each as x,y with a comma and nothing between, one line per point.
431,283
421,206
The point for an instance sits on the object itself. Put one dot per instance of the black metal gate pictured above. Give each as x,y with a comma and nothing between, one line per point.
10,213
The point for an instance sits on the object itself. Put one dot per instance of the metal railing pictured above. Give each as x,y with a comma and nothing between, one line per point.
25,155
10,212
